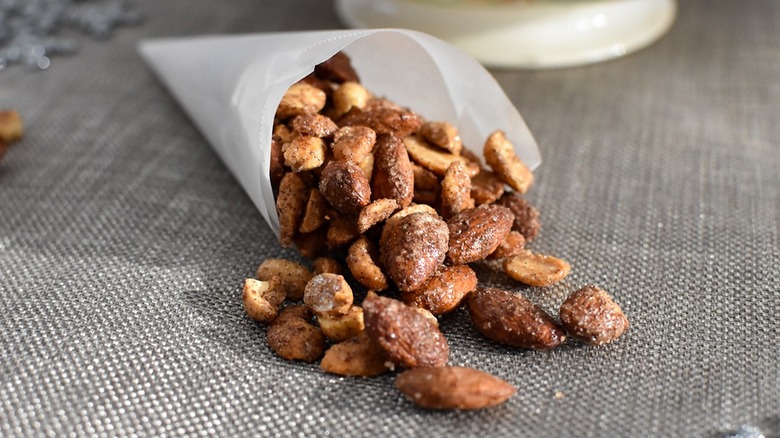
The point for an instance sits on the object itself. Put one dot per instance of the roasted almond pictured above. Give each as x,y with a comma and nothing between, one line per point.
383,120
338,68
407,337
475,233
393,176
444,135
592,316
526,215
453,388
511,319
353,143
443,292
486,187
414,249
345,186
314,125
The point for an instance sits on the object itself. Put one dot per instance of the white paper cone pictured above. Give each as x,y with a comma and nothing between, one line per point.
231,85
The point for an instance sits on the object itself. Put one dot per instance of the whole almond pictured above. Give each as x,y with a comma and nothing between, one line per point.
477,232
393,176
407,337
526,220
511,319
345,186
384,120
592,316
453,388
414,248
443,292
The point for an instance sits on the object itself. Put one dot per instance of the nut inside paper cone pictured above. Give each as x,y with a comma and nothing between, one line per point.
240,81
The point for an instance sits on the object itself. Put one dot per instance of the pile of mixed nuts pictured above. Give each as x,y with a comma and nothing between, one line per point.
363,182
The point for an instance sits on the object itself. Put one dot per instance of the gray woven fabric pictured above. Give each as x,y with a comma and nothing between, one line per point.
124,242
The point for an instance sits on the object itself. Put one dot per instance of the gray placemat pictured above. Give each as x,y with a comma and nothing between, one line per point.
124,242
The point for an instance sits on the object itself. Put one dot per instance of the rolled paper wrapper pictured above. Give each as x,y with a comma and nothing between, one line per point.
230,86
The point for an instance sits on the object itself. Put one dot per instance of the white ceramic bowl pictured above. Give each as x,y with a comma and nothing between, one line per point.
525,34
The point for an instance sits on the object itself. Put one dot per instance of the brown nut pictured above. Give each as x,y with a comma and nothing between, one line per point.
311,245
11,127
342,231
500,156
393,174
304,153
477,232
301,98
353,143
262,298
513,245
443,292
453,388
408,338
392,220
511,319
338,68
276,164
375,212
292,275
414,249
290,205
327,264
592,316
314,212
314,125
536,269
443,135
293,337
526,216
424,179
341,327
363,263
383,120
328,295
486,187
345,186
455,190
356,357
349,95
435,160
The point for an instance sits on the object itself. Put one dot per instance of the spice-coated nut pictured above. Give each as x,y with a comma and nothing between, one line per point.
328,295
453,388
356,357
293,276
500,156
511,319
536,269
592,316
293,337
407,337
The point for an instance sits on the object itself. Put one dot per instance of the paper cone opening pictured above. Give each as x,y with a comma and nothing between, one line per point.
231,86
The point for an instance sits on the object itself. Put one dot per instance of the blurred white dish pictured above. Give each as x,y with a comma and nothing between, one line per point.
538,34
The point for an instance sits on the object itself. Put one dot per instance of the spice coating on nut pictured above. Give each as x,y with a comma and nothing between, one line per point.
406,336
511,319
414,248
593,317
